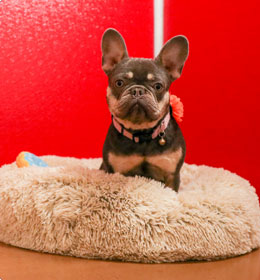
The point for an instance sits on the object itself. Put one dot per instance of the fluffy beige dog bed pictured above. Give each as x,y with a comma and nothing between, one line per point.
69,209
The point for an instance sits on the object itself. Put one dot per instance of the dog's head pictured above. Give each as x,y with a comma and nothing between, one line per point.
138,88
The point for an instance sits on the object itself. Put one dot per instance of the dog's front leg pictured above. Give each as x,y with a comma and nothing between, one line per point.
106,167
173,181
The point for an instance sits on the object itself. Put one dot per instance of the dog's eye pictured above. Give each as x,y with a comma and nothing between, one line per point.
119,83
158,86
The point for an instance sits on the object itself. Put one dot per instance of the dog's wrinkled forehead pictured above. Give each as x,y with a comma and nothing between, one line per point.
140,70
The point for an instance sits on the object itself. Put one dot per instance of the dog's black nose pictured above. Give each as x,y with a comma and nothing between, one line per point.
137,91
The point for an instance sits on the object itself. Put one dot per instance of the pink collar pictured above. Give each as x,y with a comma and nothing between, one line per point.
158,129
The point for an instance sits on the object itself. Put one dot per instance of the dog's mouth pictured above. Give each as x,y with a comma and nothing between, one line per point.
137,104
137,110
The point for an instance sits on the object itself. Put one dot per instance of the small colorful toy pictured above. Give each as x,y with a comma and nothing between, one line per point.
25,159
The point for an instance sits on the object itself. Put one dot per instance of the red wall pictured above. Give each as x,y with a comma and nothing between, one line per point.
220,82
52,88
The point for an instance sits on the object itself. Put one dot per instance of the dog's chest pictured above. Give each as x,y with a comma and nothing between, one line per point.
166,161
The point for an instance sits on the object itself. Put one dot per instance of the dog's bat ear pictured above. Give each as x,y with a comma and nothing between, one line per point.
113,49
173,55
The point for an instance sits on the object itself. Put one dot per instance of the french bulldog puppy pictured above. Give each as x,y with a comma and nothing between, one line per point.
143,139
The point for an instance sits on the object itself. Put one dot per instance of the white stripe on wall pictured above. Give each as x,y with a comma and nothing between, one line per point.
158,25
